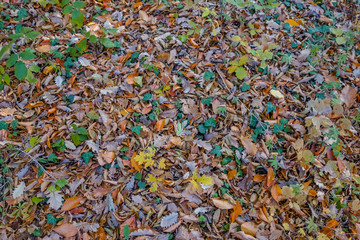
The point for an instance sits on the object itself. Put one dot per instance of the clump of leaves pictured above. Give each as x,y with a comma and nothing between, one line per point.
200,181
79,136
77,16
237,67
146,158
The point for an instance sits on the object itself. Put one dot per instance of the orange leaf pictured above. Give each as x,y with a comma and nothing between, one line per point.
332,224
105,157
66,230
131,78
276,192
270,176
237,211
160,124
259,178
134,163
292,22
146,109
71,203
231,174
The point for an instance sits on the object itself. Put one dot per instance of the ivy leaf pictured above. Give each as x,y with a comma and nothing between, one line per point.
208,75
147,97
86,156
52,157
206,101
270,107
278,128
20,70
217,150
136,129
50,219
245,87
3,125
210,123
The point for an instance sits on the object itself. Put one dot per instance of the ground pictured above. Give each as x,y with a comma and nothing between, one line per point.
179,120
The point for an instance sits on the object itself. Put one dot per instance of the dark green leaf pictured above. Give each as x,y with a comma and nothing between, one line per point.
210,123
270,107
12,60
52,157
217,150
206,101
208,75
20,70
79,4
32,35
136,129
3,125
86,156
126,231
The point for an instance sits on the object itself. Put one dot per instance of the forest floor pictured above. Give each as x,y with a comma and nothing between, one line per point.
179,119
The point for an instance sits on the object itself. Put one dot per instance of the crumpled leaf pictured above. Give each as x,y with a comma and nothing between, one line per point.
55,199
19,190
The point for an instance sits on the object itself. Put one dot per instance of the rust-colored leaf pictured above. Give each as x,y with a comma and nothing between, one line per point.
71,203
160,124
236,211
276,192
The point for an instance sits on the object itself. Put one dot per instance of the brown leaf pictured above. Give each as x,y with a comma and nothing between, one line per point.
66,230
270,176
250,147
7,111
222,204
71,203
348,95
106,157
43,48
249,228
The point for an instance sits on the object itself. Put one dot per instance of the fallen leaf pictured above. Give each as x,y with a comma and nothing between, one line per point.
249,228
276,192
222,204
292,22
105,157
237,211
71,203
348,96
66,230
249,146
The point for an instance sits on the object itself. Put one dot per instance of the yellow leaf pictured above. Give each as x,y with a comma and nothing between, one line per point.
162,163
322,236
232,69
236,38
286,226
292,22
205,180
153,187
276,93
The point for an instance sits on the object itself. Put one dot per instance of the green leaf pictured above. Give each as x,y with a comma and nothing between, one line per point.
107,43
20,70
82,131
77,18
340,40
208,75
240,73
126,231
243,60
33,141
32,35
76,139
50,219
37,200
270,107
82,45
27,55
183,38
136,129
245,87
202,129
79,4
6,79
16,36
93,39
67,9
206,101
210,123
64,2
52,157
86,156
14,124
34,68
217,150
138,80
12,60
278,128
147,97
3,125
93,115
61,182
